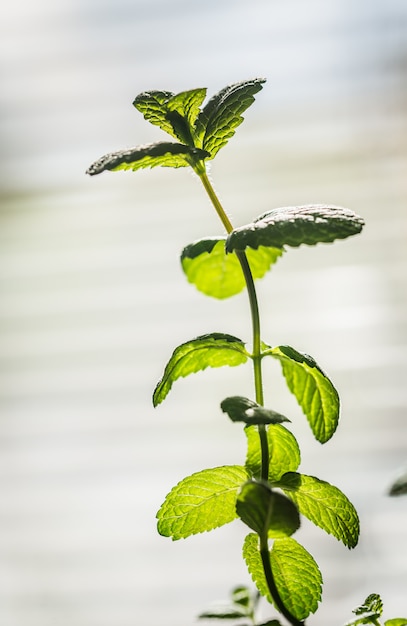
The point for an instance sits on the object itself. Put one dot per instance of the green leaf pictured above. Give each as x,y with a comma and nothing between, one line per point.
212,350
396,621
243,604
153,106
166,154
217,274
325,505
313,390
220,117
284,451
399,487
242,409
297,577
252,557
296,574
266,511
201,502
372,604
370,611
293,226
176,114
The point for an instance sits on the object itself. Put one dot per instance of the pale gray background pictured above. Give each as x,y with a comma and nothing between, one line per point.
93,299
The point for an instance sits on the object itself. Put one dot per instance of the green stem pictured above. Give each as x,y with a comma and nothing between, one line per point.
255,316
258,383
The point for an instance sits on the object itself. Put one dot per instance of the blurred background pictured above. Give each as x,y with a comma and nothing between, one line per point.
93,299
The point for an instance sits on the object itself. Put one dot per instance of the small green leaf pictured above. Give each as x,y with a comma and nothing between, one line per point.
284,452
153,106
325,505
217,274
242,409
297,577
201,502
163,153
296,574
313,390
266,511
399,487
212,350
372,604
396,621
220,117
176,114
226,612
293,226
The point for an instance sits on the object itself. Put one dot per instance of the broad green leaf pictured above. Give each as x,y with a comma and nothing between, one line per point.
153,106
283,447
220,117
313,390
297,577
201,502
242,409
163,153
325,505
296,574
396,621
212,350
293,226
217,274
266,511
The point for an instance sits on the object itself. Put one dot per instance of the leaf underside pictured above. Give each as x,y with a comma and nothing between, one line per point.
163,153
324,505
312,389
211,350
241,409
218,274
201,502
297,576
267,511
293,226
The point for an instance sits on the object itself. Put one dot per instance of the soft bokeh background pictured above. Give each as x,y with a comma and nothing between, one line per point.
93,299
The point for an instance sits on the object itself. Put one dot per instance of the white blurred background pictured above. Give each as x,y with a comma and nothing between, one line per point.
93,299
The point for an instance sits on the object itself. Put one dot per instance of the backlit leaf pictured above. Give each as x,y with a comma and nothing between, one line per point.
153,106
293,226
313,390
297,577
212,350
296,574
283,447
325,505
217,274
220,117
166,154
201,502
266,511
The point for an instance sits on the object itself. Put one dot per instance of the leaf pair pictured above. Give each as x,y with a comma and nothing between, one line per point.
201,132
313,390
